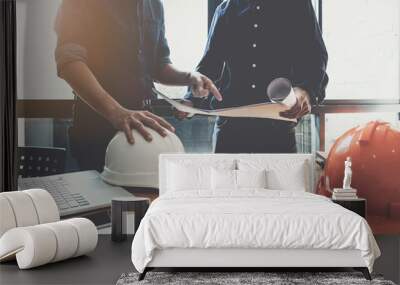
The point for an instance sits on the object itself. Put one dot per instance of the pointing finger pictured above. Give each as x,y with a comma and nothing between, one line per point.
214,91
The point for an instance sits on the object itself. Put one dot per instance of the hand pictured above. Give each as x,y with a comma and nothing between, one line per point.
302,106
126,120
202,86
182,115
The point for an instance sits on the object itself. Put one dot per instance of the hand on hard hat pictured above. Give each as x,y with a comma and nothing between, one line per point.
202,86
182,115
126,120
302,106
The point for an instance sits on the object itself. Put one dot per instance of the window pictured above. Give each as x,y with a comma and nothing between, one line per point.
36,41
362,37
37,76
363,42
186,31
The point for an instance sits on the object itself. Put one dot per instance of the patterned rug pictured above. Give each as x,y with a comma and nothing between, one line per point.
244,278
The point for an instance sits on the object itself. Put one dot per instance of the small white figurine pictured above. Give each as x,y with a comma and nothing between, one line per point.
347,174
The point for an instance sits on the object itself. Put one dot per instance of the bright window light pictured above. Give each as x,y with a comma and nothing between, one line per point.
186,31
362,37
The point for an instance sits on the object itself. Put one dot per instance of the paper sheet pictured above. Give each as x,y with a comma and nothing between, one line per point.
263,110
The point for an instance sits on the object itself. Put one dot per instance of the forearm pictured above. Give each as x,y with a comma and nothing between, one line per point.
81,79
200,84
170,75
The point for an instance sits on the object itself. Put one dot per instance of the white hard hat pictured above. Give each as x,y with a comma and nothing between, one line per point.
137,165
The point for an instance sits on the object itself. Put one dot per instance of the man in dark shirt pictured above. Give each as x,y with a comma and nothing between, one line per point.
252,42
110,52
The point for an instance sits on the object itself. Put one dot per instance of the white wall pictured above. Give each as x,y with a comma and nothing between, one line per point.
36,68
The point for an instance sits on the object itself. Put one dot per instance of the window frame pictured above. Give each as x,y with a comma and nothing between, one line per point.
8,95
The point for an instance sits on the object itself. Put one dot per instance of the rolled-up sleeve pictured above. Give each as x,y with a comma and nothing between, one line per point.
71,29
310,56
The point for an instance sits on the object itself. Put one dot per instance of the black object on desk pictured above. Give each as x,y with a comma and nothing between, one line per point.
358,206
121,209
40,161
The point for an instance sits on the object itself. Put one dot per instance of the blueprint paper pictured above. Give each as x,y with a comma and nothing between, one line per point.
264,110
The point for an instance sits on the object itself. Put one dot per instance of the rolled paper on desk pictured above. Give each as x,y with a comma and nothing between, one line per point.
31,246
66,237
26,208
41,244
46,207
7,218
87,233
23,208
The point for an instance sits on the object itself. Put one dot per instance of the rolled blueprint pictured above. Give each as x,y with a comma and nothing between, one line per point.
279,91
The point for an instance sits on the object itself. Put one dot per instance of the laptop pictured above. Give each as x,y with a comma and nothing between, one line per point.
76,193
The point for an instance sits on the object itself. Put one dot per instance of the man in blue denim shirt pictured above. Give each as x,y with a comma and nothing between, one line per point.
252,42
110,52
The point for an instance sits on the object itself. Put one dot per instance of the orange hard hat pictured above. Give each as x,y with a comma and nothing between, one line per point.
375,152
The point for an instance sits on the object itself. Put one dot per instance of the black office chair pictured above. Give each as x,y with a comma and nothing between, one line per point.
40,161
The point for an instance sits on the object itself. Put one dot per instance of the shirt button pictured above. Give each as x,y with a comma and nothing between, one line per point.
254,45
253,86
256,26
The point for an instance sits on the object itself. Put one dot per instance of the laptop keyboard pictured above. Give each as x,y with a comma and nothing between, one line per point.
58,188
